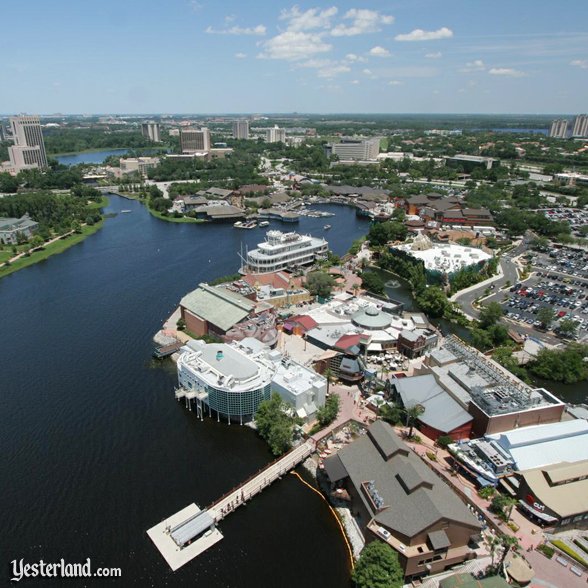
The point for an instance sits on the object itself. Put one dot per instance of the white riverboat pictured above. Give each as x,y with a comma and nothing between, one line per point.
282,251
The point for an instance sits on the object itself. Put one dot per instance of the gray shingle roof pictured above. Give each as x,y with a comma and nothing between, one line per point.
218,306
414,498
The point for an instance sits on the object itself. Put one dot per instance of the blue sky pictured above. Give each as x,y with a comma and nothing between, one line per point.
205,56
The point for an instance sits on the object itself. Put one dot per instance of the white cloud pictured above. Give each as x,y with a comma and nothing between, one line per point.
293,45
395,83
476,65
353,58
331,71
230,18
362,21
316,63
435,55
236,30
314,18
420,35
367,72
355,82
581,63
196,6
240,55
506,71
378,51
436,92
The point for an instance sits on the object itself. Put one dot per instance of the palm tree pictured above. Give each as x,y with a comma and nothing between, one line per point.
412,414
509,504
509,543
492,543
328,373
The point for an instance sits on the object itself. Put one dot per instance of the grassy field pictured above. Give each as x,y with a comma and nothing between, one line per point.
171,219
52,249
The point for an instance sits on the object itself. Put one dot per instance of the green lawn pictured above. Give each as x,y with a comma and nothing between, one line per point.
171,219
52,249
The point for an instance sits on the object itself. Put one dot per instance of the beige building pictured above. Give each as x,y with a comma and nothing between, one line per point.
241,129
559,129
151,131
580,126
275,135
360,150
28,150
138,164
195,140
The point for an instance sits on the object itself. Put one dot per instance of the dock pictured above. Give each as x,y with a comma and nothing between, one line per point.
191,531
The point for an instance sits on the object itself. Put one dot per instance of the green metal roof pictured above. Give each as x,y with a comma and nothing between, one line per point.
218,306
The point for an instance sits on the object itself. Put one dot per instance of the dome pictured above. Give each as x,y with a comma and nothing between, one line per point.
372,318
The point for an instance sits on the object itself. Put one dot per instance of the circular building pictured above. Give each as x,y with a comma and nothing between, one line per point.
372,318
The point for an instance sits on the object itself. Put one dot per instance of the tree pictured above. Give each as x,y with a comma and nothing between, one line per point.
328,413
567,365
37,241
390,413
490,314
320,284
372,282
274,424
266,203
509,543
380,233
545,316
378,567
433,302
412,414
444,441
502,505
568,327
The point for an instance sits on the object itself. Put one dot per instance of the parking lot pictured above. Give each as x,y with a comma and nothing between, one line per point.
565,260
567,297
576,217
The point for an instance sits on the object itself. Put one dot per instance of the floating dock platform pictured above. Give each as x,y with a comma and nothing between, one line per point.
162,536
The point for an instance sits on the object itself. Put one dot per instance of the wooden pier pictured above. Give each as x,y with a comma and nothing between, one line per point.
165,534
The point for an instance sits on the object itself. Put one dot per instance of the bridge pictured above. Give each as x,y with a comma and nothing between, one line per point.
191,531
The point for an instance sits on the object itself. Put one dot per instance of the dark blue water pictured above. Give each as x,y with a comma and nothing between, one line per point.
95,448
97,157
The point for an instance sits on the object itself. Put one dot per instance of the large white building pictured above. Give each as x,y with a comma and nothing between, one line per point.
28,150
360,150
192,140
152,131
282,251
241,129
443,257
559,129
232,380
275,135
580,126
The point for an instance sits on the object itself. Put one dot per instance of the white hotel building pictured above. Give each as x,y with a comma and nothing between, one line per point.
232,380
282,251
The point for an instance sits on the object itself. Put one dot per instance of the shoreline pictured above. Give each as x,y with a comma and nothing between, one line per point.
59,245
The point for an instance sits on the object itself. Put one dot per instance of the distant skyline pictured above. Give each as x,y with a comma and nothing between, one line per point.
199,56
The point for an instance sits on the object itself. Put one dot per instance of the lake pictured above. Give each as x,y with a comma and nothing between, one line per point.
96,449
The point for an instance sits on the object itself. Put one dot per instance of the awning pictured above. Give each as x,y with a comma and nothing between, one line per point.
537,513
191,528
335,469
374,347
483,482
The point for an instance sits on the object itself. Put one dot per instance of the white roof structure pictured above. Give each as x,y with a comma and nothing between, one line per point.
444,257
543,445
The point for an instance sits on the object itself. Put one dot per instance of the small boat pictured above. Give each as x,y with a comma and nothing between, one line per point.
264,224
238,224
327,227
125,211
247,225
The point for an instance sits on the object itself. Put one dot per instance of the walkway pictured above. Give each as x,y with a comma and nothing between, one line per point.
254,485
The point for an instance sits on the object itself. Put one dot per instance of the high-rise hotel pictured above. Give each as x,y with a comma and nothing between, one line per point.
241,129
193,140
28,150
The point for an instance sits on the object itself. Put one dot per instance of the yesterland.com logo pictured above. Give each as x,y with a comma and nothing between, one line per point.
61,569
